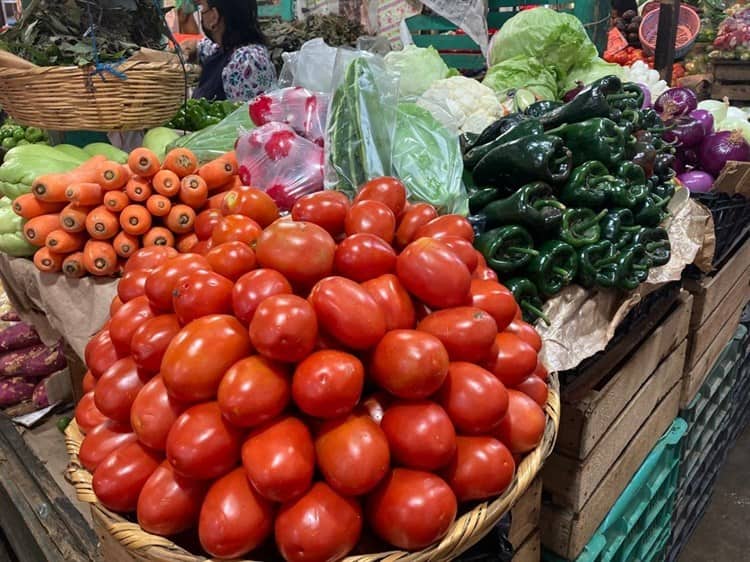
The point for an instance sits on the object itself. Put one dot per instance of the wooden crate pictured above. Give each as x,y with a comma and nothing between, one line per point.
525,515
530,550
731,79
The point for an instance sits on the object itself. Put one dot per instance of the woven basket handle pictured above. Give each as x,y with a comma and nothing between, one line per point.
9,60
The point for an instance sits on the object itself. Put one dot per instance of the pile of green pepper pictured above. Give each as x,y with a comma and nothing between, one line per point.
199,114
572,192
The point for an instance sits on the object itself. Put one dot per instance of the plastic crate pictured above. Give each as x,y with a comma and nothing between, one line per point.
731,215
283,9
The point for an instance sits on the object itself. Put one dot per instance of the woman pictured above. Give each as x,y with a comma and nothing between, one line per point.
236,63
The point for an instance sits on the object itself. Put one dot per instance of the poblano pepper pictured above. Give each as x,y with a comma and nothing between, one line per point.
580,227
527,296
596,139
506,249
554,267
586,186
494,130
652,211
631,190
618,226
655,241
588,103
480,198
597,265
533,206
521,129
542,107
632,267
664,190
630,96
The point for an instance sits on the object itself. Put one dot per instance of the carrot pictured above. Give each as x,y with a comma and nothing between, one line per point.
73,218
125,244
215,201
180,219
99,258
138,189
135,219
49,262
72,265
28,206
158,205
232,157
166,183
112,175
158,236
181,161
51,187
193,191
63,242
101,224
143,162
84,193
116,201
37,229
186,242
217,172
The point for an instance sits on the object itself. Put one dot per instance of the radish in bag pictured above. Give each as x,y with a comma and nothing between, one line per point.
303,110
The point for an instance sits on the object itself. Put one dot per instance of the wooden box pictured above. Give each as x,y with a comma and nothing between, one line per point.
525,517
731,79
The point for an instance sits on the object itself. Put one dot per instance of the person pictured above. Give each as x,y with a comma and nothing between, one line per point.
236,64
186,21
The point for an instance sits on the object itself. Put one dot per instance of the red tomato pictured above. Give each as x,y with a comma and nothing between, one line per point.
481,469
279,459
420,434
301,251
412,219
321,526
236,228
103,440
132,284
328,384
149,258
234,518
393,300
541,371
128,319
495,299
527,333
375,405
484,273
114,306
170,504
150,342
284,328
205,222
409,364
253,288
200,354
100,354
202,247
117,388
466,332
511,359
364,256
463,249
347,312
161,284
447,225
201,293
153,414
232,259
522,428
352,454
371,217
119,479
434,274
88,383
327,209
87,414
387,190
535,388
474,399
202,444
253,391
250,202
411,509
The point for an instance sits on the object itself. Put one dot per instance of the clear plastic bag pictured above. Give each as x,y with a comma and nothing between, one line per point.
469,15
313,66
303,110
211,142
277,160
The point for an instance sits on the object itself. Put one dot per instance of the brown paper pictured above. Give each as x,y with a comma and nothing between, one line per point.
734,178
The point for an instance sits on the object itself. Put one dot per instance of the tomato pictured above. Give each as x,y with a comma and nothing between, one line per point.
301,251
474,399
420,434
463,249
541,371
153,413
284,328
149,258
535,388
393,300
389,191
522,428
484,273
114,306
328,384
200,354
321,526
352,454
234,518
371,217
327,209
236,228
447,225
434,274
279,459
411,509
231,259
87,414
88,383
526,332
409,364
202,444
254,390
205,222
132,284
481,469
495,299
411,220
201,293
347,312
466,332
511,359
253,288
163,280
364,256
119,479
250,202
128,319
203,247
117,388
375,405
100,353
150,342
103,440
169,503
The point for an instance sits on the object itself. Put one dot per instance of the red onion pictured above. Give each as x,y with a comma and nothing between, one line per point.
676,102
705,118
686,131
646,95
697,181
570,94
718,148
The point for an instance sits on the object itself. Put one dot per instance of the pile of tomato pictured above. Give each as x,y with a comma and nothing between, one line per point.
342,379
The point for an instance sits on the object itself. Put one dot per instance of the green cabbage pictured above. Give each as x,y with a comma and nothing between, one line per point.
522,72
418,68
590,72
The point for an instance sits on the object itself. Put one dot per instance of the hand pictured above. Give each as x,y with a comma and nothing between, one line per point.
190,48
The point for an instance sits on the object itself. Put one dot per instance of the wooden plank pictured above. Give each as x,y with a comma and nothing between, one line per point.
566,532
731,71
584,422
524,517
735,92
530,550
77,370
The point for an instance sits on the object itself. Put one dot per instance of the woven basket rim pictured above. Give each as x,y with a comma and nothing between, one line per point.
466,531
125,66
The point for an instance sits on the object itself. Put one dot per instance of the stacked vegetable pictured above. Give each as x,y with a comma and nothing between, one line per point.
12,135
197,114
351,367
573,192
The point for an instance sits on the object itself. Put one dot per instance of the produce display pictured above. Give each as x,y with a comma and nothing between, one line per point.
197,114
12,135
628,24
733,35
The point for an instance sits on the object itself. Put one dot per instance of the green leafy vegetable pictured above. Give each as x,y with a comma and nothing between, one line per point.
522,72
418,69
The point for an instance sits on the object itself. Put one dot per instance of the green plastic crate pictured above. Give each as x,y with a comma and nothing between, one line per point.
283,9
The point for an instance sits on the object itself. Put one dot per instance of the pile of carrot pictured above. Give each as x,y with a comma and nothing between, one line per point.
91,219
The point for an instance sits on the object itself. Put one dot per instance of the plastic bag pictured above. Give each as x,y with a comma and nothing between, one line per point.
216,140
469,15
312,67
277,160
303,110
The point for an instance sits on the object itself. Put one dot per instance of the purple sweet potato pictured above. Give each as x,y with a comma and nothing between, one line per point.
14,390
33,362
10,316
39,396
18,336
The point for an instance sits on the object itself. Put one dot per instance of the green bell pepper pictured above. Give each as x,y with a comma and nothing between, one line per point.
632,267
533,206
586,186
517,131
554,267
656,243
598,265
527,296
507,248
34,134
652,211
589,103
580,227
595,139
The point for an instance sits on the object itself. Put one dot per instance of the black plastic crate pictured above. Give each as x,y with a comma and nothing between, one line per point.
731,214
494,547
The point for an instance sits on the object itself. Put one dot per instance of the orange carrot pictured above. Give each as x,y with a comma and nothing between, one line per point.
181,161
158,236
73,218
215,201
51,187
158,205
185,242
101,224
217,172
28,206
135,219
143,162
84,193
125,244
37,229
193,191
232,157
49,262
138,189
180,219
166,183
99,258
72,265
116,201
112,175
63,242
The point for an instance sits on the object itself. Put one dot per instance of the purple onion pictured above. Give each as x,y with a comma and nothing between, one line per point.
705,118
676,102
688,156
697,181
646,95
719,148
686,131
570,94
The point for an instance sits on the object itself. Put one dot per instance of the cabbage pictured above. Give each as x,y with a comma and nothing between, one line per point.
417,67
522,72
716,108
590,72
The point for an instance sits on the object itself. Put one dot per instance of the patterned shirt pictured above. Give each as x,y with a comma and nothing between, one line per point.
248,73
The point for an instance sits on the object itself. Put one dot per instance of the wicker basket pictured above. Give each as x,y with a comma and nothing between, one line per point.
465,532
70,98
